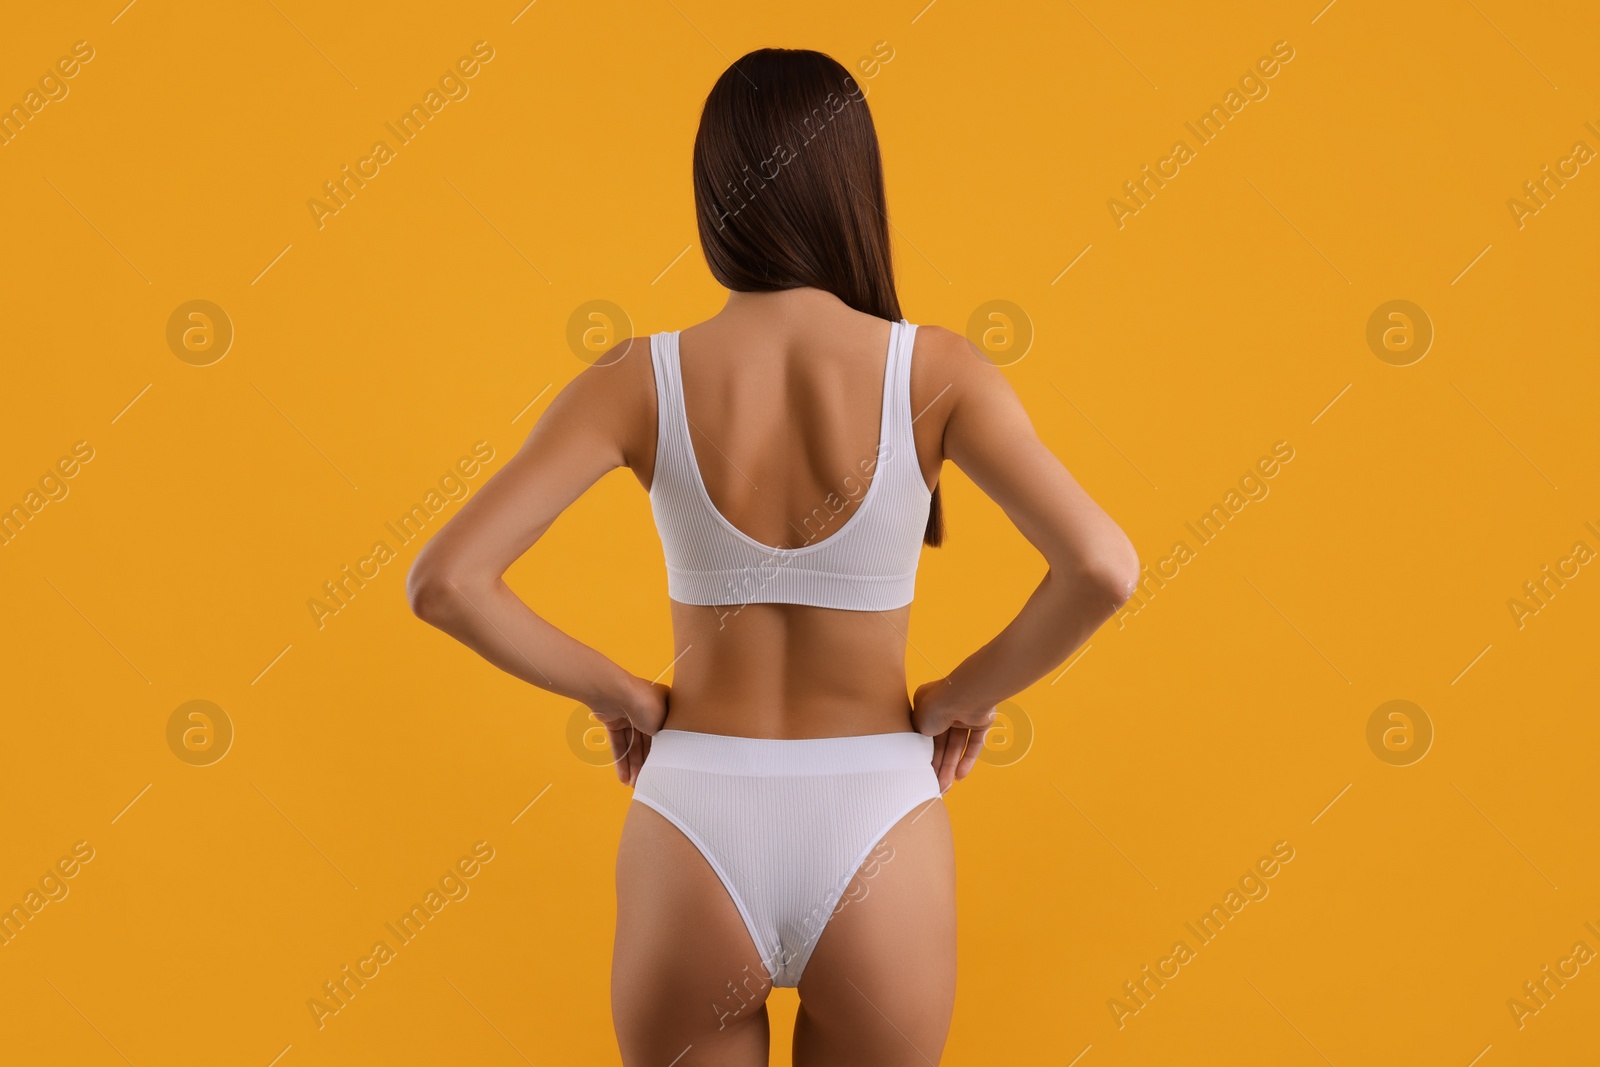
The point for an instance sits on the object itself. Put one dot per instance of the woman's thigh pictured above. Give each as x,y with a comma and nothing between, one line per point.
880,986
688,987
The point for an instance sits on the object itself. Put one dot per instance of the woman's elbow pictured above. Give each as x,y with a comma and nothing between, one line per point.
1114,574
1120,586
434,596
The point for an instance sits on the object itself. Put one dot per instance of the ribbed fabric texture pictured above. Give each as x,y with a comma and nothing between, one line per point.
785,824
869,563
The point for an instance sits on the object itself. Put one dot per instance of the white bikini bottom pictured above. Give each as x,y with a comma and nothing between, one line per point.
785,824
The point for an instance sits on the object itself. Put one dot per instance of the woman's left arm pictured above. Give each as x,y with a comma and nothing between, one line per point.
456,581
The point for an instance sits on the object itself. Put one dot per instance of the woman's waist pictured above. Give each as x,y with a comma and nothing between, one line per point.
769,712
776,757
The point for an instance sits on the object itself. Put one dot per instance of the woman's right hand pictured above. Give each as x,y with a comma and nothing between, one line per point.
958,729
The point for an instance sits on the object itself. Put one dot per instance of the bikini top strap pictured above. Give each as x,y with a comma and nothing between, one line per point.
900,403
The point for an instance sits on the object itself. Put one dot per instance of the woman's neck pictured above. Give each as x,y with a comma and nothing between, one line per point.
800,303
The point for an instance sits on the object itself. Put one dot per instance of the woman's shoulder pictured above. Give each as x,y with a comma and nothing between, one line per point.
951,374
950,358
936,342
616,385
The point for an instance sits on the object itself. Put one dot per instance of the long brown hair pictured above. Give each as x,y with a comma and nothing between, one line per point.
788,188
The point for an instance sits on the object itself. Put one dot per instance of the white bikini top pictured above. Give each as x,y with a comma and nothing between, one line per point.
867,563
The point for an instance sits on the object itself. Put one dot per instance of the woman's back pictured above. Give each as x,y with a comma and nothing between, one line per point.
791,447
784,401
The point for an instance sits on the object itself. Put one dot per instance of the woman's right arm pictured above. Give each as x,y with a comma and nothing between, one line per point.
1092,566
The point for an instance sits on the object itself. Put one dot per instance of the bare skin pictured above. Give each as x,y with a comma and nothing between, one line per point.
783,392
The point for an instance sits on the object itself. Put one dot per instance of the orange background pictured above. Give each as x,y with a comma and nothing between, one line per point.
1229,713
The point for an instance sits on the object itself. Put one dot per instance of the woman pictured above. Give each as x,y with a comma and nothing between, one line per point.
791,446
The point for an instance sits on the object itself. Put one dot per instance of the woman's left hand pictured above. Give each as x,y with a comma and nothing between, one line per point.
629,722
